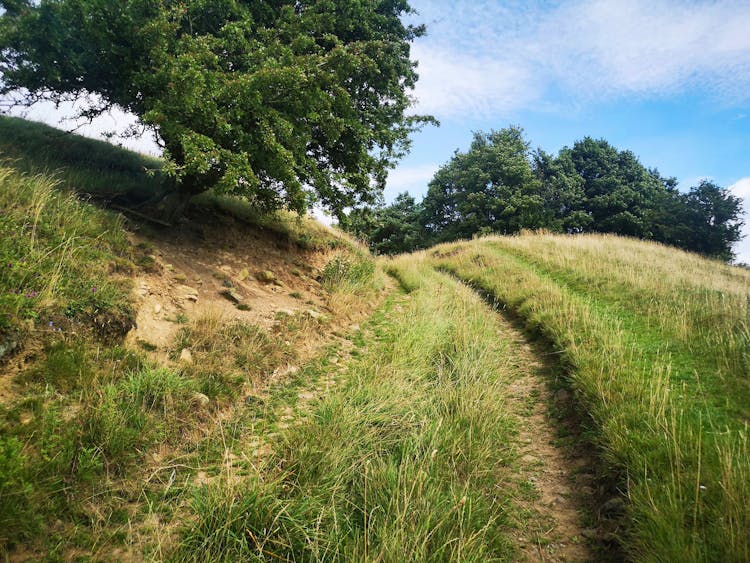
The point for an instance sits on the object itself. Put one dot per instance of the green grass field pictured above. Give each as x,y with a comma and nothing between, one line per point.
657,345
404,437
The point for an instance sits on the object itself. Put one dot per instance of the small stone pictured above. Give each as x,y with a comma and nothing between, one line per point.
232,296
529,459
243,275
157,308
186,356
180,277
200,399
169,267
313,314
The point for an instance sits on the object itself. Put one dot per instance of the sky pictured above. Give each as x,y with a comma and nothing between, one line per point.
667,79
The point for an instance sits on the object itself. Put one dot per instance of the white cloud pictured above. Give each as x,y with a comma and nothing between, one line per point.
741,188
452,84
481,57
412,179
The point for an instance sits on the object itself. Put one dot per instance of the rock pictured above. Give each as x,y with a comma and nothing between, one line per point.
7,347
284,372
157,308
313,314
169,267
227,283
232,296
186,356
243,275
266,276
529,459
180,277
200,399
186,292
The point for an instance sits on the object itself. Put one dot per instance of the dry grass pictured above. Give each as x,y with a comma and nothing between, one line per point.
656,342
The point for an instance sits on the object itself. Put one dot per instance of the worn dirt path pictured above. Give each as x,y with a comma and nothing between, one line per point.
557,473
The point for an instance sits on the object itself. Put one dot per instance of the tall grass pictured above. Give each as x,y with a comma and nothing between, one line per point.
410,460
57,257
82,164
654,341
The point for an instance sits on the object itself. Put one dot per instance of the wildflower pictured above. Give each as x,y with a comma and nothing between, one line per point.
93,289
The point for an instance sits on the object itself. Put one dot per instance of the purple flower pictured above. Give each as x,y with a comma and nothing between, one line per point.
51,323
93,289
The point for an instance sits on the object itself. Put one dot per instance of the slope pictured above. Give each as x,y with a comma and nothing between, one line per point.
127,348
656,343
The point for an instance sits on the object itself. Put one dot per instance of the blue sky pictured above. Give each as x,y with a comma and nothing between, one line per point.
667,79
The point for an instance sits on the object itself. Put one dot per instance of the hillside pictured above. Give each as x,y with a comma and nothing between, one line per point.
250,387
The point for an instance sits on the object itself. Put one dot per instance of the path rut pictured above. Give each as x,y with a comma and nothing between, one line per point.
557,474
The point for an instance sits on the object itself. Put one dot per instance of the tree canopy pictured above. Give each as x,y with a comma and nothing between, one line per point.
282,101
499,185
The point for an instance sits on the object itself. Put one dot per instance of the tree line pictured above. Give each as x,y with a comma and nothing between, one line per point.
500,185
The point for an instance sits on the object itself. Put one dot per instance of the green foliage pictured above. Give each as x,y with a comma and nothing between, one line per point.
499,186
347,270
491,185
265,100
392,229
56,259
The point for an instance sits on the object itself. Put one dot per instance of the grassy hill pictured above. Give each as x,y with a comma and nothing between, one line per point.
250,387
657,345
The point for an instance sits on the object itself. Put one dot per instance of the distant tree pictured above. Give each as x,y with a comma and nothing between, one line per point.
562,193
713,217
280,101
491,187
619,191
391,229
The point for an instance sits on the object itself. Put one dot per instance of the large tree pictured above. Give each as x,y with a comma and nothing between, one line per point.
280,101
491,187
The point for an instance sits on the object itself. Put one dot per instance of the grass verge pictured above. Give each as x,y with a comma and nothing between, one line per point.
657,394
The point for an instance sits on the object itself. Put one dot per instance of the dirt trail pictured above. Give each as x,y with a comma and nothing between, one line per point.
556,473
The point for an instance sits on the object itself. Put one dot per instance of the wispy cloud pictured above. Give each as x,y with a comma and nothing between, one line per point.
412,179
484,57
